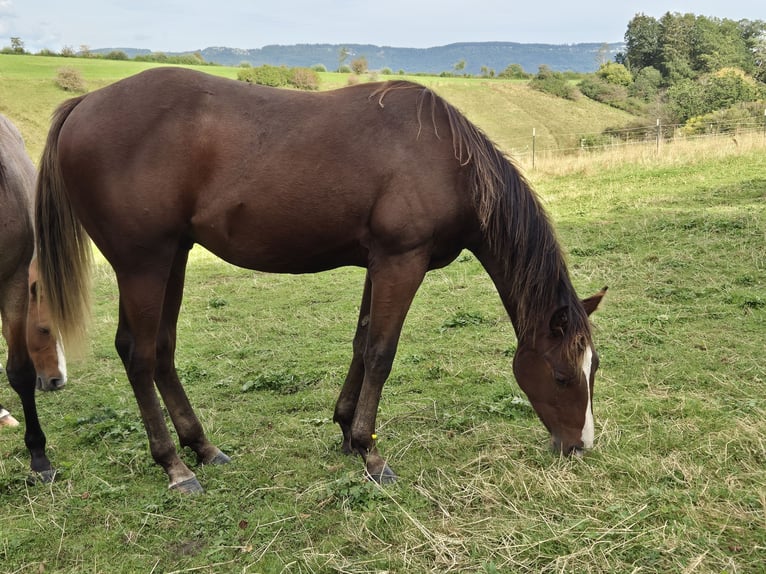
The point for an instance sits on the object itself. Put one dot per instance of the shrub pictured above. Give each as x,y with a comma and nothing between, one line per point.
646,85
116,55
304,79
319,68
514,72
614,73
359,65
553,83
70,80
280,76
265,75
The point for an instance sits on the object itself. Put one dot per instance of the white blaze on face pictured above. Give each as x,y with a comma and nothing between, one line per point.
588,427
62,359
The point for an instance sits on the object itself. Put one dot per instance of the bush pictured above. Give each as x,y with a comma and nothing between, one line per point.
646,85
116,55
514,72
614,73
359,65
726,120
304,79
554,83
70,80
265,75
280,76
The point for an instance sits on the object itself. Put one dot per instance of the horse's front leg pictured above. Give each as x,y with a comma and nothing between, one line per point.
394,282
22,376
345,407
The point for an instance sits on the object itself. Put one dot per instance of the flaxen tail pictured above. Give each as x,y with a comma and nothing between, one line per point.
64,253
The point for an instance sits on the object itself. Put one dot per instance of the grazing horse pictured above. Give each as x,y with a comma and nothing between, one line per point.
386,176
44,348
34,356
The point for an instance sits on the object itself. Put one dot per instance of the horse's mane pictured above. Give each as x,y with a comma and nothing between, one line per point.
515,224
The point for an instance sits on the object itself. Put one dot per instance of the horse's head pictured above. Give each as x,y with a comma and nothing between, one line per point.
556,370
44,347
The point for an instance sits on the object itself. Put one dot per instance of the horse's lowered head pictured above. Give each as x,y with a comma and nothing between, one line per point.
556,368
45,347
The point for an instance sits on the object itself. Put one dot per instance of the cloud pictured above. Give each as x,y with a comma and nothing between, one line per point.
7,8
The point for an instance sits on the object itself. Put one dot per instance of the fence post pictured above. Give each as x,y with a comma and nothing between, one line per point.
658,136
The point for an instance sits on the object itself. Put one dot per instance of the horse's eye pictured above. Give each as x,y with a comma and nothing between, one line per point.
43,330
561,379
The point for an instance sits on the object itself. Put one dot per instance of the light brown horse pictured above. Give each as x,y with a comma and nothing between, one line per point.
44,347
26,327
386,176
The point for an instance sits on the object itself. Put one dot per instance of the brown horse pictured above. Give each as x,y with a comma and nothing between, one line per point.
44,347
386,176
26,326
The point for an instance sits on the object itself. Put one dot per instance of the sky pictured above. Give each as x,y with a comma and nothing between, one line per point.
189,25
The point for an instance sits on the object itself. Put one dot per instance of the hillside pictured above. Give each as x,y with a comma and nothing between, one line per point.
506,110
493,55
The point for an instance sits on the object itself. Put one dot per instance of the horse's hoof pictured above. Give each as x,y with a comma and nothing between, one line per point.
188,486
219,458
384,476
42,477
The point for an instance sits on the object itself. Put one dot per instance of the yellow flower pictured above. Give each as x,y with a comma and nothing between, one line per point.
374,436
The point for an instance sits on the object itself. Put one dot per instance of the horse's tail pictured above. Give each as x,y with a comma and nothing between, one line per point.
64,253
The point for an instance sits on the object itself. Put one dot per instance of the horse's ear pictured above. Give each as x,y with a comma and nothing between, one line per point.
560,321
591,303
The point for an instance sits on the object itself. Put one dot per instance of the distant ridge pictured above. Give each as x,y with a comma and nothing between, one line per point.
493,55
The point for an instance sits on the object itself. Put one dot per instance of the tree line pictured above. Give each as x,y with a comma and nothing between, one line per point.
680,69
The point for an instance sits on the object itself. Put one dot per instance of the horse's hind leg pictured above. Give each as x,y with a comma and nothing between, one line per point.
141,297
188,427
345,407
21,374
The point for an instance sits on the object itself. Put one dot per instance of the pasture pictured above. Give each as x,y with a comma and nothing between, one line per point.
676,481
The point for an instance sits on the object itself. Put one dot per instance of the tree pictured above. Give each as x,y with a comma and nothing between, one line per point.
642,42
515,72
17,46
675,46
343,53
460,66
646,85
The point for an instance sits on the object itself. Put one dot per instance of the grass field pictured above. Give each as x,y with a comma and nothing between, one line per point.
675,483
507,111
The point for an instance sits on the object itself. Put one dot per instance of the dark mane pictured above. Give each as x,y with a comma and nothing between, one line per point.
514,221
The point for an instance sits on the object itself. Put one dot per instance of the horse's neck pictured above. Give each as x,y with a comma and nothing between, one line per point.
523,305
497,273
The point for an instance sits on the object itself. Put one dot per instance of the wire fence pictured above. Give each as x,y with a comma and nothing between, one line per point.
529,150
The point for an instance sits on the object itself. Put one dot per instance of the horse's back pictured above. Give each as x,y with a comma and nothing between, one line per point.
17,175
273,179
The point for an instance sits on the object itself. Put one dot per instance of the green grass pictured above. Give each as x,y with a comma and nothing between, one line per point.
507,110
675,483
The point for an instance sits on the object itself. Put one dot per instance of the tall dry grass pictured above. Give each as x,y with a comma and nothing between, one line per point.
676,152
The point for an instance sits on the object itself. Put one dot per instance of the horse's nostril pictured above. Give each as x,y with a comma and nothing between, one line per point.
52,384
56,383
